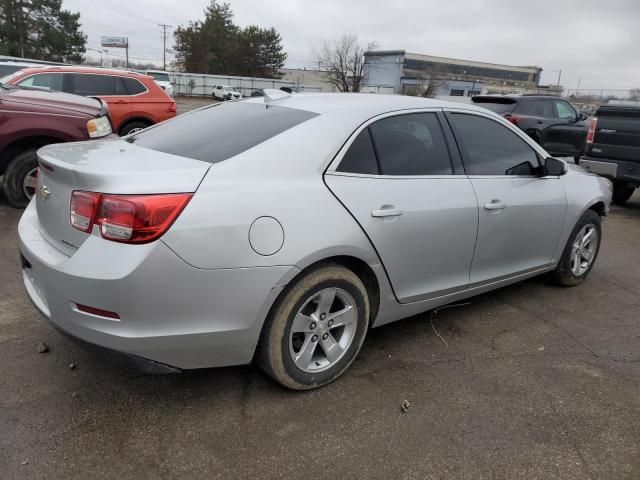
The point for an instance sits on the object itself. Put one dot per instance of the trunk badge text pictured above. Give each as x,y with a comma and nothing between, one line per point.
44,192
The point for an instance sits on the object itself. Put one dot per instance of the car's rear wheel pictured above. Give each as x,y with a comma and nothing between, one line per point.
132,127
581,251
20,178
621,193
316,328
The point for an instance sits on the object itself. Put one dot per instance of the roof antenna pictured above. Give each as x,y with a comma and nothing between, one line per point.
271,95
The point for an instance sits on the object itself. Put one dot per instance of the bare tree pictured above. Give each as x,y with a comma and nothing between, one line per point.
342,62
634,94
430,79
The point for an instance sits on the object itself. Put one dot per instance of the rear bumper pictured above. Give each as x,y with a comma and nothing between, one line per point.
618,170
170,312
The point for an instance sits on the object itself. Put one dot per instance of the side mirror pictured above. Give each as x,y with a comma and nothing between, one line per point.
583,116
554,167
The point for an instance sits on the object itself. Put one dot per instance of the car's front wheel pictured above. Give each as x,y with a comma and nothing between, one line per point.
580,252
315,329
20,178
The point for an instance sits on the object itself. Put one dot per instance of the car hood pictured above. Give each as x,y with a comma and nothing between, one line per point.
65,101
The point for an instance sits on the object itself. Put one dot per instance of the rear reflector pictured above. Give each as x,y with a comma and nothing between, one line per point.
127,218
592,129
97,311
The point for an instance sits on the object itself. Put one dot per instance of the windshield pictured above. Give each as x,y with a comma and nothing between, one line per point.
161,77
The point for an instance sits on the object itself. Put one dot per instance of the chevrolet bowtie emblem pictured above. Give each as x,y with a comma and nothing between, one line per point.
44,192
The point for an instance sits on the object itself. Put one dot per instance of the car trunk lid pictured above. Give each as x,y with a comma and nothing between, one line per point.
115,167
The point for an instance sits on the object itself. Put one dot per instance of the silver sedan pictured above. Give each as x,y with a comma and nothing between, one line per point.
282,228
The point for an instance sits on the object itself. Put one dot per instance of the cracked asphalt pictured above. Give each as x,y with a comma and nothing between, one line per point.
534,382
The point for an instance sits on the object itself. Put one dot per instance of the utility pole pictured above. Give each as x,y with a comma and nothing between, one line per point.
164,45
559,76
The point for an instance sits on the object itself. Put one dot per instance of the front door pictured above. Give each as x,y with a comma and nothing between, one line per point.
421,218
567,133
520,213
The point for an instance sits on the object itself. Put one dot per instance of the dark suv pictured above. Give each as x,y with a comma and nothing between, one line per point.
551,121
31,119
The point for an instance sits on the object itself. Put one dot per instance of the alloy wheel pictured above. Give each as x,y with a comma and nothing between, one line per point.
584,249
30,182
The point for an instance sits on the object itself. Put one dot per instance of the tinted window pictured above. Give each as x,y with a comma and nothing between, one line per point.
500,107
45,81
565,111
85,84
489,148
543,108
361,157
134,87
221,131
411,145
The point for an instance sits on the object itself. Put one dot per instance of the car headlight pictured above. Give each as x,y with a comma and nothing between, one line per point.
99,127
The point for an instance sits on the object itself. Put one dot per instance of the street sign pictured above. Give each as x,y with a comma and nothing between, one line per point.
115,42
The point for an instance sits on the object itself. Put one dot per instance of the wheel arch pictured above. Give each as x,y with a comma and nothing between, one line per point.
24,143
598,207
137,118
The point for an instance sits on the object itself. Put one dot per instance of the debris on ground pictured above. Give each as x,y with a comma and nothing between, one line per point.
541,349
42,347
72,366
404,406
26,462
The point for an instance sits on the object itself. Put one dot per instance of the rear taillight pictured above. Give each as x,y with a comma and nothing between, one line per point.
592,129
515,119
128,218
83,209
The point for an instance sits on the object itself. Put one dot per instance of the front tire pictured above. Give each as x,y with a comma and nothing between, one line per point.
315,329
621,193
132,127
581,251
19,178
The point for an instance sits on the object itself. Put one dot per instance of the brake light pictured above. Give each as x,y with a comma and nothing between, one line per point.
83,209
128,218
592,129
515,119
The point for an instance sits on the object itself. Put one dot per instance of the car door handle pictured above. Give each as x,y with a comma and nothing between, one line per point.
387,211
494,205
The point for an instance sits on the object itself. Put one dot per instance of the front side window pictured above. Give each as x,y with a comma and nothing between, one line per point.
565,111
411,144
489,148
87,84
45,81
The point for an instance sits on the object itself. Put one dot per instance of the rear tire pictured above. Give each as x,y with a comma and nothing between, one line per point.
621,193
15,189
315,329
132,127
580,252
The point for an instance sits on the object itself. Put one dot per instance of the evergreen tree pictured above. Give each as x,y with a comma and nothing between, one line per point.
40,29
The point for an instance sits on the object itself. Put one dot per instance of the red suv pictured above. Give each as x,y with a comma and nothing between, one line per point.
31,119
135,101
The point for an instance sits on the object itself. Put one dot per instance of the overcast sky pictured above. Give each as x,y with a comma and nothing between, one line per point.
595,41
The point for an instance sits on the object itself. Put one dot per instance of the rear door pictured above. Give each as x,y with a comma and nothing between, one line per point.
107,87
521,214
397,180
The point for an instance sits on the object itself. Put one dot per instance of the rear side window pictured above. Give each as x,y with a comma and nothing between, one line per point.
411,144
500,107
221,131
133,86
45,81
361,157
543,108
87,84
489,148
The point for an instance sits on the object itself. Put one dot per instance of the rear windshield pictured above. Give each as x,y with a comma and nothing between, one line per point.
221,131
497,106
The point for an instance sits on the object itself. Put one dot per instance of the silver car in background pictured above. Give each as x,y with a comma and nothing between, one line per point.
282,228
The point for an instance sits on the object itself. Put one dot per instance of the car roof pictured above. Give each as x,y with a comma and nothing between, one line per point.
95,70
369,103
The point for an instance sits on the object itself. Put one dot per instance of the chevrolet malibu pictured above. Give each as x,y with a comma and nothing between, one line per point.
282,228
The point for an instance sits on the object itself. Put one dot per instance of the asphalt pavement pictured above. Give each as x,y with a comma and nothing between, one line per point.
532,381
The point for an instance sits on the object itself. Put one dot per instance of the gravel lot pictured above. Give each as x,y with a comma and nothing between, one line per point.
535,381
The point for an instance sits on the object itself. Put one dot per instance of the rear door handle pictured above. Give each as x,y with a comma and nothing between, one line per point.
494,205
387,211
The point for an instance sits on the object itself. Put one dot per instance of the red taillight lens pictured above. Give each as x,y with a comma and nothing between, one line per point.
515,119
592,129
135,218
83,209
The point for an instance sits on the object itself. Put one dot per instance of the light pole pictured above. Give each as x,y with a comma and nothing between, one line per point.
100,52
559,76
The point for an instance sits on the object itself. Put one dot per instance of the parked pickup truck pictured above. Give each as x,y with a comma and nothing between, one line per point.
30,119
613,149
